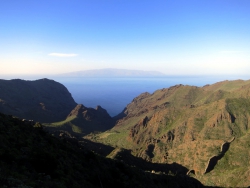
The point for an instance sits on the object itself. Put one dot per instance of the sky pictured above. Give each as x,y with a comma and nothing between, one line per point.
175,37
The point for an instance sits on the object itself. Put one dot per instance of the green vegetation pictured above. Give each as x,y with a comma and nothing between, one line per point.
60,123
232,169
237,106
116,139
199,123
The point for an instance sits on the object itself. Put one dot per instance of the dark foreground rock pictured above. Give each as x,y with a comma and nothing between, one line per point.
30,157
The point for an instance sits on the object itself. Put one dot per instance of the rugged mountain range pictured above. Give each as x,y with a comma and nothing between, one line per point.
199,131
205,129
41,100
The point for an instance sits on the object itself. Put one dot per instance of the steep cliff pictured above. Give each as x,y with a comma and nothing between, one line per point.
41,100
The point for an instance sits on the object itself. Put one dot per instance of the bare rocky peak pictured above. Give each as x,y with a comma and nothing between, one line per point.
81,110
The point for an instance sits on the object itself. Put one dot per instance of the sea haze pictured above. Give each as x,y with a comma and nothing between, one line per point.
114,94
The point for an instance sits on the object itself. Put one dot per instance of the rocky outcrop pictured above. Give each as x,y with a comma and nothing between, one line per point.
138,128
90,119
42,100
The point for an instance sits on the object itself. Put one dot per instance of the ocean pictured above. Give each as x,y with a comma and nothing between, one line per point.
113,94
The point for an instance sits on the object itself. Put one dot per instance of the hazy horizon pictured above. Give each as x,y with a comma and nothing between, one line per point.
174,37
208,79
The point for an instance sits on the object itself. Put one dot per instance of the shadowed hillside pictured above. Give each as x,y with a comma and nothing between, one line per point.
41,100
30,157
82,121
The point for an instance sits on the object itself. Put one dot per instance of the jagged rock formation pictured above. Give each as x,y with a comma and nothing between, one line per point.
41,100
188,125
82,121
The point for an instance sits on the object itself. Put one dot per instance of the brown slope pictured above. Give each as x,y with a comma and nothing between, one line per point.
186,125
181,96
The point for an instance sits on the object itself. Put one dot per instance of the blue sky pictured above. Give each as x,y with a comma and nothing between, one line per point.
205,37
